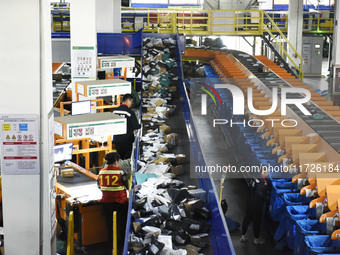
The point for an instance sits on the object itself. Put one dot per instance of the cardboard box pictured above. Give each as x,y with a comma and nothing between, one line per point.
171,139
57,76
162,68
165,129
191,250
161,160
159,103
177,170
136,226
67,173
181,158
163,149
195,240
151,110
172,89
266,69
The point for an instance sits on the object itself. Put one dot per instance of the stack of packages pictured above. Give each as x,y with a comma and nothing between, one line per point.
168,217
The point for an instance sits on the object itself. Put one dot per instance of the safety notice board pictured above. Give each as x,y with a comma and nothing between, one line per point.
19,144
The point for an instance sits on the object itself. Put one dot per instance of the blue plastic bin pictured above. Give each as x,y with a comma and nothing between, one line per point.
294,213
304,228
295,199
317,244
277,204
287,228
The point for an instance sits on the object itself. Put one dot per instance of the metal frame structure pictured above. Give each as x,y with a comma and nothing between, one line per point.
192,21
206,22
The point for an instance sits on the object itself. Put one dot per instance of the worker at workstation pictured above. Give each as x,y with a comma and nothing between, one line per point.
124,142
113,183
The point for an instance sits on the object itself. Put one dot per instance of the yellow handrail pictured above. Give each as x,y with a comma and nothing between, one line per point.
315,23
215,22
70,238
299,67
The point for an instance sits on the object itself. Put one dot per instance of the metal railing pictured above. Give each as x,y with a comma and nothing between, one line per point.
192,21
217,22
285,48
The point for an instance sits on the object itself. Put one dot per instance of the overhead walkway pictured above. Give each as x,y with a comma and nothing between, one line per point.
191,21
222,22
218,22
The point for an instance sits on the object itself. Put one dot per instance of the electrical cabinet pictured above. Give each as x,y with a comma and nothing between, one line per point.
312,48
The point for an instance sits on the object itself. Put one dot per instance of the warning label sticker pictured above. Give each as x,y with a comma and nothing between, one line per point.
19,144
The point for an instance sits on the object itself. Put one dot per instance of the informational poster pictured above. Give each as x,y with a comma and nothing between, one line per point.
83,62
19,138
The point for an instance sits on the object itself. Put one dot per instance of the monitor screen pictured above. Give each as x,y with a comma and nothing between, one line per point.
63,152
81,107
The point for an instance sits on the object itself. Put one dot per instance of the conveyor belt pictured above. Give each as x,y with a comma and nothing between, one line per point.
177,124
219,241
327,128
77,180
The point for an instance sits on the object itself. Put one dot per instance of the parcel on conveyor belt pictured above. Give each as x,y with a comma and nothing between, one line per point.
167,217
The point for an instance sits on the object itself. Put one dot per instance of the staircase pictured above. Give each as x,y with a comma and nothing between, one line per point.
281,46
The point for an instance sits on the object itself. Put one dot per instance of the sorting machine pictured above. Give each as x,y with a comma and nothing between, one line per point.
314,141
308,151
80,194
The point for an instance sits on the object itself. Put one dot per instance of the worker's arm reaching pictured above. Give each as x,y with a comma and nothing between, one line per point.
124,177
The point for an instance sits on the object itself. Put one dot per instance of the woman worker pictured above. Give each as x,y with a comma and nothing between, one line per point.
113,184
255,202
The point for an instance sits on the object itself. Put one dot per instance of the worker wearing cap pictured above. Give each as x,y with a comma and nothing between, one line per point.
124,142
113,183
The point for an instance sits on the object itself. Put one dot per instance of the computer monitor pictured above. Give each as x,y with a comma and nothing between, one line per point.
81,107
63,152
